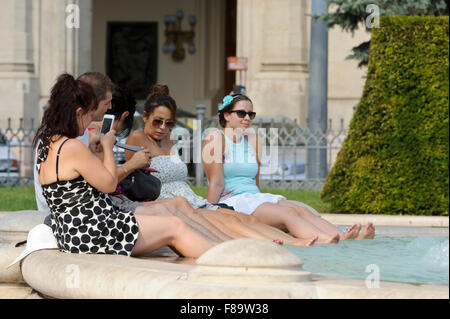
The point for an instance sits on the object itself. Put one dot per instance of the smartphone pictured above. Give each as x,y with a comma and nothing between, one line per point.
128,147
108,121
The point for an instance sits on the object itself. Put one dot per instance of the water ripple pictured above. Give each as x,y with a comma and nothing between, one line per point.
422,259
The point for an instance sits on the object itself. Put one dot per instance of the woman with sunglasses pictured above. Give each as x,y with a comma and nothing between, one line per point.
231,158
160,116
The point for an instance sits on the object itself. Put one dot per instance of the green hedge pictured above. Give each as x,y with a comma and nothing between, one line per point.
395,158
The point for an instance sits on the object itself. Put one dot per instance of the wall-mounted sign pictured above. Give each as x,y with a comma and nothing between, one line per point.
237,64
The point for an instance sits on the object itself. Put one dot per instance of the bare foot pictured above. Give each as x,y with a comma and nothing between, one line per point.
352,232
311,241
334,239
304,242
368,232
331,240
277,241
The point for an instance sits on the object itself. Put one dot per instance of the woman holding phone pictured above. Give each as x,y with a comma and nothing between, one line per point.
123,107
75,183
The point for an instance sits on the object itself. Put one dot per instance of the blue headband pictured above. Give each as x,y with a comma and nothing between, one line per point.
226,101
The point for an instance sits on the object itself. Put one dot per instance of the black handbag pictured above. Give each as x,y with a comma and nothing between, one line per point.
141,186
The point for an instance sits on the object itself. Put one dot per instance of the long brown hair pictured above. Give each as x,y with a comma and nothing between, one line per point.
67,95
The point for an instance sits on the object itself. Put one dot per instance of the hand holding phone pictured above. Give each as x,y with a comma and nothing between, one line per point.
107,140
129,147
95,146
107,123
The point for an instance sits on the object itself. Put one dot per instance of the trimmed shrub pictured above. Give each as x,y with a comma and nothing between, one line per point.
395,157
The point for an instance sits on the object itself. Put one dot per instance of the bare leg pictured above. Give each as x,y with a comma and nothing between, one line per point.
179,206
237,227
287,217
231,225
301,242
183,205
158,208
271,232
156,232
321,223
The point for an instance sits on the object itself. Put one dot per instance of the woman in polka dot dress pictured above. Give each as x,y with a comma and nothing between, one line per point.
75,179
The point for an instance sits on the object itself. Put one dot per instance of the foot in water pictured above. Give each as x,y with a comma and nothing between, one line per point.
309,242
331,240
352,232
368,232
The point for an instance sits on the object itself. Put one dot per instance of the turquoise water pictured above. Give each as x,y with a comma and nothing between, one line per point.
422,259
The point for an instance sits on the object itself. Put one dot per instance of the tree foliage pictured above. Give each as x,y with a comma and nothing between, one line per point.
395,157
350,15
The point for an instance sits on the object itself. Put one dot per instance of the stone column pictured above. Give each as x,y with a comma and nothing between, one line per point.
19,90
273,34
63,47
318,84
36,47
19,85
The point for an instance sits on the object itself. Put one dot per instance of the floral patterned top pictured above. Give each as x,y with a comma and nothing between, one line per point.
173,174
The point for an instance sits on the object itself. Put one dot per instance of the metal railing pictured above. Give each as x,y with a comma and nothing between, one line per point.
288,169
16,153
291,143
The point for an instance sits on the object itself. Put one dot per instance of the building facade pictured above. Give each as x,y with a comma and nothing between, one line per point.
125,39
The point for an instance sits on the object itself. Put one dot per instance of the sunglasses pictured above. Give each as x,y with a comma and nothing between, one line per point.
241,114
158,123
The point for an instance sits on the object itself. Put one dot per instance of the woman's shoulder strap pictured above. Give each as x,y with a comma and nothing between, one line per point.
57,157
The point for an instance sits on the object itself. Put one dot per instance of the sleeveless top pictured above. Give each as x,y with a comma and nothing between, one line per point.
172,174
83,219
239,168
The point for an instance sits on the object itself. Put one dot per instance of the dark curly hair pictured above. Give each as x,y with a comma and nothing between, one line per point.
123,101
67,95
228,108
160,96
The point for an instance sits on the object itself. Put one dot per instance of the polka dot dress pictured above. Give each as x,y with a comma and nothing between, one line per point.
85,220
